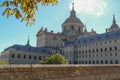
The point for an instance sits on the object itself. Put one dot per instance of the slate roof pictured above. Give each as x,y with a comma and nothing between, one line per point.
29,48
95,38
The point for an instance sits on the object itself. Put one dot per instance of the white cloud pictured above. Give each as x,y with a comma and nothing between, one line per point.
95,7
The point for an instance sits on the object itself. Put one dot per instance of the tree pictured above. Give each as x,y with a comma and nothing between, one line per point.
54,59
24,9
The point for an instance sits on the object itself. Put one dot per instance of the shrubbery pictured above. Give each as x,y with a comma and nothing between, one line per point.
54,59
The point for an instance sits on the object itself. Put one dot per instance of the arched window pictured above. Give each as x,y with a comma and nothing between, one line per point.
13,55
72,27
18,56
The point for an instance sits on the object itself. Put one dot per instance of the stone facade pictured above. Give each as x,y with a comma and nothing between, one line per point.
82,47
19,54
77,44
59,72
22,57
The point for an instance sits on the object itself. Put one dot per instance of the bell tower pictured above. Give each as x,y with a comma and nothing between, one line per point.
72,26
114,25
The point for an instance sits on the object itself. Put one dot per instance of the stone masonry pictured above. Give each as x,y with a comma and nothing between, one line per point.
60,72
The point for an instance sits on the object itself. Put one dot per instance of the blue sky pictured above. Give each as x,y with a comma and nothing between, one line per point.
96,14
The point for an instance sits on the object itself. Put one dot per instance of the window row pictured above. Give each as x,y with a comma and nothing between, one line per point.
95,44
97,50
26,57
97,62
95,55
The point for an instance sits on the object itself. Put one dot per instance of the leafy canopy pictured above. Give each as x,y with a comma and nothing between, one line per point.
54,59
24,9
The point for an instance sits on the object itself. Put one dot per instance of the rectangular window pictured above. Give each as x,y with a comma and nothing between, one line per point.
79,62
116,54
106,62
97,62
111,62
82,62
89,62
116,61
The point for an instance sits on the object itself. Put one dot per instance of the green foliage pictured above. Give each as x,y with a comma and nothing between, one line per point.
1,63
24,9
54,59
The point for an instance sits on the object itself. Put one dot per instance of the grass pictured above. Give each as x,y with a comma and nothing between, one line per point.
1,63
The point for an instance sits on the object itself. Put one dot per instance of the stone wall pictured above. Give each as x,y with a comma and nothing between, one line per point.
59,72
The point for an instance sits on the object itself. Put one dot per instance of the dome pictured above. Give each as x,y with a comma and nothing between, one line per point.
72,19
114,26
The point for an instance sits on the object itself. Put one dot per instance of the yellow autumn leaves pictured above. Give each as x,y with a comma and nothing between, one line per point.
24,9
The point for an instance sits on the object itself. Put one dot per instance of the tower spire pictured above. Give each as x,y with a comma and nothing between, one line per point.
73,13
85,28
72,6
114,20
28,42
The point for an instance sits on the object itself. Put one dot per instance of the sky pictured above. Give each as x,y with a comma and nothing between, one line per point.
96,14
